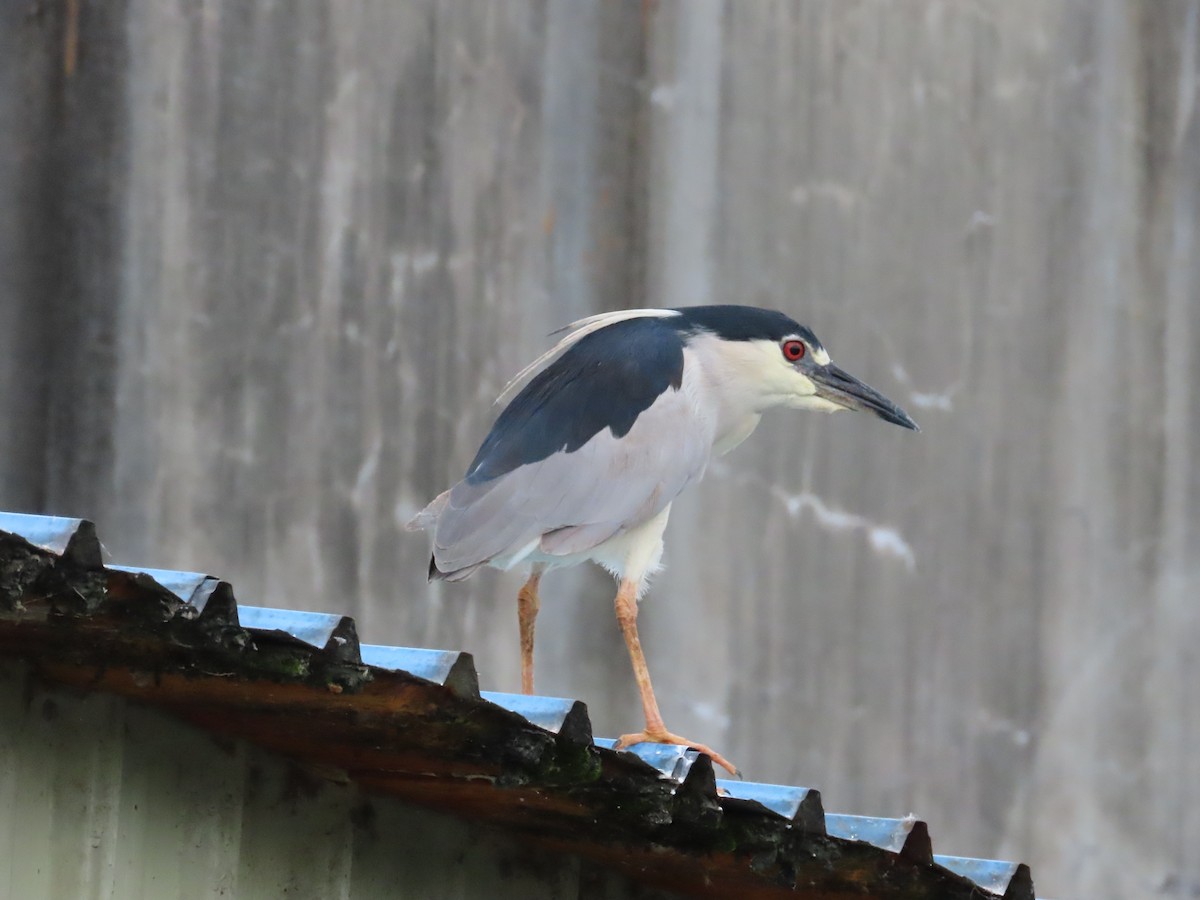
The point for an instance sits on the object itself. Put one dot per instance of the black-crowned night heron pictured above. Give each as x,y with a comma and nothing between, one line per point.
618,418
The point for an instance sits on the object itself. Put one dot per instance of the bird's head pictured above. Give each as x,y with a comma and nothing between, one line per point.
779,362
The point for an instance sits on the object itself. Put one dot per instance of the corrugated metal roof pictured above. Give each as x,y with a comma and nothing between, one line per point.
413,723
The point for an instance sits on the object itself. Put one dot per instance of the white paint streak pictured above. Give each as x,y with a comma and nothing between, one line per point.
931,401
663,96
980,220
884,540
685,161
843,196
710,714
888,542
994,724
1185,106
940,400
364,482
425,261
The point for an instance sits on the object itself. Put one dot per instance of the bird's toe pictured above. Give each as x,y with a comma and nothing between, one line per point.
667,737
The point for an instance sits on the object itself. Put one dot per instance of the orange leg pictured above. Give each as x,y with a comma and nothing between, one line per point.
655,732
527,610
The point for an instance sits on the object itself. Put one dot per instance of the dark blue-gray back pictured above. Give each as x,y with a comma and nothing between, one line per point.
605,380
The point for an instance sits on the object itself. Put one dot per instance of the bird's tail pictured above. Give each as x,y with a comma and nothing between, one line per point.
426,520
428,517
436,574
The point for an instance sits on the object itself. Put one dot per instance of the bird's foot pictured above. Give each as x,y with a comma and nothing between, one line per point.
666,737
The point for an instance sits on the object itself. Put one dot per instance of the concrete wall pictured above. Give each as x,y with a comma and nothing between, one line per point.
267,265
102,799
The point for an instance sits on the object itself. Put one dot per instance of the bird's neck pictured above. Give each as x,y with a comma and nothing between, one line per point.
729,390
734,432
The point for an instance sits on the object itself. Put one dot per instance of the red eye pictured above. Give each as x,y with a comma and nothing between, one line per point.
793,350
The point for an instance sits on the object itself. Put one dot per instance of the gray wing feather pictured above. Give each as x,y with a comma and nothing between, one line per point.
572,502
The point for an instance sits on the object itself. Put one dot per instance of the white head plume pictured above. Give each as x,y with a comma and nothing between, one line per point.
575,332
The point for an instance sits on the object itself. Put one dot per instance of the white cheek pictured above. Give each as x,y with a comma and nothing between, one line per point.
820,404
799,385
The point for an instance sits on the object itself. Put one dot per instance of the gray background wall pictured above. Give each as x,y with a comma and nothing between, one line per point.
265,265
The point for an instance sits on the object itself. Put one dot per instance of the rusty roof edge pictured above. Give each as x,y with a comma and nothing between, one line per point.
75,541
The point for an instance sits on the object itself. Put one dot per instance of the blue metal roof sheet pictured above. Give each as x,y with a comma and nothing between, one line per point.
669,760
545,712
887,834
52,533
193,588
993,875
312,628
432,665
783,800
452,668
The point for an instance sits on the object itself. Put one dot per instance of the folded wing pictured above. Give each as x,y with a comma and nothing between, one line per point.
598,442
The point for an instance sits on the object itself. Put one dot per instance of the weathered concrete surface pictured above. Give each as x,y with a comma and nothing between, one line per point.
105,798
300,246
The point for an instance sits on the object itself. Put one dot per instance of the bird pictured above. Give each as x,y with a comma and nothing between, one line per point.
602,432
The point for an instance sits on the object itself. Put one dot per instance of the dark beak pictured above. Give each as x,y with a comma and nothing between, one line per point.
848,392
